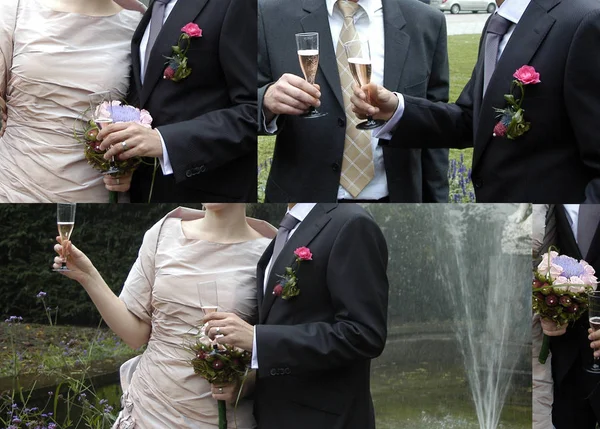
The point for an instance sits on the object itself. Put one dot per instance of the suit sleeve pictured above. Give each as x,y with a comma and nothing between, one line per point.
265,77
223,135
358,285
437,124
582,79
434,162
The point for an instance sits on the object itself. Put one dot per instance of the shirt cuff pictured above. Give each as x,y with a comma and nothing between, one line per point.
271,127
165,163
386,131
254,363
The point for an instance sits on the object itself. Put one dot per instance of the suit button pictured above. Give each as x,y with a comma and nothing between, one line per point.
189,173
335,167
341,122
273,371
202,169
477,182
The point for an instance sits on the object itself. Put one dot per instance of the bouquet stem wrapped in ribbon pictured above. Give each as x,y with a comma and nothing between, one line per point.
220,364
560,291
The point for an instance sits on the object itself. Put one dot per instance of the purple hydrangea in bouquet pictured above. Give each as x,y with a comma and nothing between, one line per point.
560,291
220,364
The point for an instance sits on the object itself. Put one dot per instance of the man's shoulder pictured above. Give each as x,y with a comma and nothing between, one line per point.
348,212
418,10
574,11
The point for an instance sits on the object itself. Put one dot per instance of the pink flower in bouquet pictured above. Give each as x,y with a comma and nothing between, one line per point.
192,30
527,75
546,267
303,253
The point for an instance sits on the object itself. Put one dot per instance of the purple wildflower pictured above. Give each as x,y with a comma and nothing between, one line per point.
41,295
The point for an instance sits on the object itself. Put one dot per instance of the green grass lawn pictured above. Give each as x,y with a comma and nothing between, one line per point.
462,51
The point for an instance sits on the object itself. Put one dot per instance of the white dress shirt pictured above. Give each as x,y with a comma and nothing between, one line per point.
368,22
512,10
165,164
573,216
300,211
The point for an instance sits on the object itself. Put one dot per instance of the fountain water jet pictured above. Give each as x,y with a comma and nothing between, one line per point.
488,290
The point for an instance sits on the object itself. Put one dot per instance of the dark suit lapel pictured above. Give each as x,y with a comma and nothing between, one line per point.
522,46
260,272
396,44
306,232
317,19
185,11
567,239
135,49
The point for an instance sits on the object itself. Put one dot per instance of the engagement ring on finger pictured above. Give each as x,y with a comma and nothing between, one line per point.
124,144
218,330
220,390
118,181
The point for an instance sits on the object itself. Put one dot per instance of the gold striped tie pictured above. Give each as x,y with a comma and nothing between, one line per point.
357,165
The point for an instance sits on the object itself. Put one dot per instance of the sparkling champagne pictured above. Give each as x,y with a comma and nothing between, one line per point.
65,229
103,122
209,309
361,70
309,62
595,323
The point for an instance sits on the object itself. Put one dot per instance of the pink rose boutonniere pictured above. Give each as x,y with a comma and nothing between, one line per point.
512,123
288,286
177,68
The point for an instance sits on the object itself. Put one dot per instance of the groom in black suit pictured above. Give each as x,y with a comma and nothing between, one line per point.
204,133
313,351
576,392
558,159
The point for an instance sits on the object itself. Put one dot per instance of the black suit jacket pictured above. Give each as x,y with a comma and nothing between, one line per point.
558,160
314,351
308,152
208,121
573,348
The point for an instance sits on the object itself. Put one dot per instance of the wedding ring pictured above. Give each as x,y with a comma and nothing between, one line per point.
220,390
124,144
218,330
118,181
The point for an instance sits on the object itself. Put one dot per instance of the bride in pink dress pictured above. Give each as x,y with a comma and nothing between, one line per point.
160,303
53,54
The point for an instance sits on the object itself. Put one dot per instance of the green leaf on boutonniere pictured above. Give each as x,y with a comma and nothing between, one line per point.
510,99
176,50
289,271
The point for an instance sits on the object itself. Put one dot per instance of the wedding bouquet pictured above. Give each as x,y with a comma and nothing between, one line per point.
560,289
219,364
118,112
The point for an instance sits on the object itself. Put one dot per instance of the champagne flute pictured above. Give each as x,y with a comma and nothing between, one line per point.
594,318
65,219
308,55
102,118
208,297
359,61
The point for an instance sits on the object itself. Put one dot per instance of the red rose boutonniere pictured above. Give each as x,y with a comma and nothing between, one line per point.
177,67
512,122
288,286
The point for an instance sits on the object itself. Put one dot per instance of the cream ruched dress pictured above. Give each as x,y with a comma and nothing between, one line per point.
49,63
160,387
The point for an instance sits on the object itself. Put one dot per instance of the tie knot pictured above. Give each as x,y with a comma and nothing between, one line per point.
348,8
289,222
498,25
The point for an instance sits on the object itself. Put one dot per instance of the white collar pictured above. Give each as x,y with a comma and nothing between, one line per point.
301,210
369,6
513,10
